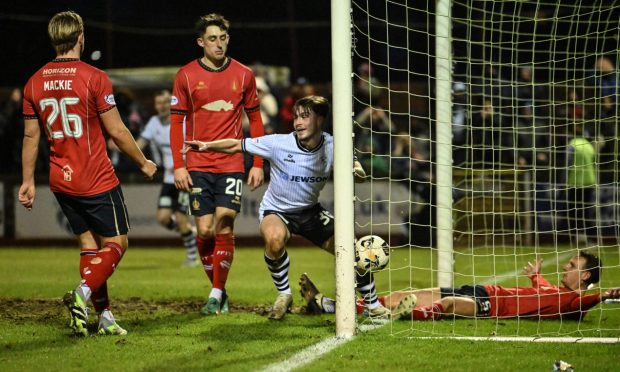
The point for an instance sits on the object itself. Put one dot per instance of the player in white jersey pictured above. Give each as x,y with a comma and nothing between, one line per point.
173,204
301,163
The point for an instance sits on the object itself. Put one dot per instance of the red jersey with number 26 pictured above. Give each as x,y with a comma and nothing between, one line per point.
67,96
212,102
540,300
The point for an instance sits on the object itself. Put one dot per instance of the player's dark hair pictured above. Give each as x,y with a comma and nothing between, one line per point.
64,29
318,104
578,129
212,19
162,92
593,265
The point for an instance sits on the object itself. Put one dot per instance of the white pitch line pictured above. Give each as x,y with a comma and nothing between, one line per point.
566,340
307,355
315,351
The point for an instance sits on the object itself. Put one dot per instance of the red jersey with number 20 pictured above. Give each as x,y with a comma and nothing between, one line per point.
212,102
540,300
67,96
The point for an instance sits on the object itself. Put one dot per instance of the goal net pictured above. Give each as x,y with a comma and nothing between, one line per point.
489,130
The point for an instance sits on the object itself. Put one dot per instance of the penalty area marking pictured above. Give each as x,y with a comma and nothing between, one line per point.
307,355
315,351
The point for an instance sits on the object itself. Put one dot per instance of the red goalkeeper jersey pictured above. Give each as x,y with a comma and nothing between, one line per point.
212,102
67,96
540,300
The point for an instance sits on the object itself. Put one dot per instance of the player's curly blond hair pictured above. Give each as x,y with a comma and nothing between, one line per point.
212,19
64,30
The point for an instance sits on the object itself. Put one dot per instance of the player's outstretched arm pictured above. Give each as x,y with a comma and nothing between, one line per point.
30,150
610,294
228,146
256,175
124,140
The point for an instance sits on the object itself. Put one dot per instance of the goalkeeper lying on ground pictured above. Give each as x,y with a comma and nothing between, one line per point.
542,299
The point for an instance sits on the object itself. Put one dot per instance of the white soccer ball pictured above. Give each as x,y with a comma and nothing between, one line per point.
371,253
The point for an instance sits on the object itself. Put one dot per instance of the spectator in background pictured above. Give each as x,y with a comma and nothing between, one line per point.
581,191
573,110
173,204
606,83
499,148
268,108
373,128
11,124
130,113
367,88
561,125
411,165
531,139
460,117
411,157
376,162
526,111
375,122
528,93
301,88
492,85
268,105
484,132
269,114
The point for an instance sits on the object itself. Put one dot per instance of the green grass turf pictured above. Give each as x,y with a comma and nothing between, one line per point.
158,302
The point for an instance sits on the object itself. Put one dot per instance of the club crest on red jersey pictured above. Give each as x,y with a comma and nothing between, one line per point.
219,105
67,173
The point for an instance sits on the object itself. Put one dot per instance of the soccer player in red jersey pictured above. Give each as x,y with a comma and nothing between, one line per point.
541,300
208,96
73,102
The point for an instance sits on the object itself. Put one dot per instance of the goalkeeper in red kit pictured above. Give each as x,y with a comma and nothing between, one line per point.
208,98
73,102
541,300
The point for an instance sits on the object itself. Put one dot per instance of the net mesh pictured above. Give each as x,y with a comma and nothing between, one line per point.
534,148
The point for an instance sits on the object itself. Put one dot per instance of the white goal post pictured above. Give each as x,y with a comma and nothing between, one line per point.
343,176
489,131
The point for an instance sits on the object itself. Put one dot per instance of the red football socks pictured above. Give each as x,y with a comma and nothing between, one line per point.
222,259
360,305
205,249
101,266
431,312
100,296
86,254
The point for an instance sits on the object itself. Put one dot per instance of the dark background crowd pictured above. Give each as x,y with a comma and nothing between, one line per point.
510,112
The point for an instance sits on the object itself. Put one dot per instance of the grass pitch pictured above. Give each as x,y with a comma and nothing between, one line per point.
158,302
